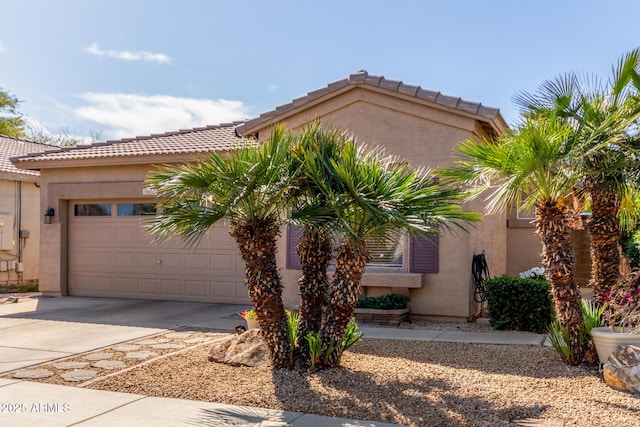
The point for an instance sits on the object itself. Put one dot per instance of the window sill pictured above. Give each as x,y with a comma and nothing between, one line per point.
395,280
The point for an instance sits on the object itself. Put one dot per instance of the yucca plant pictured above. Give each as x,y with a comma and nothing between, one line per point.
560,340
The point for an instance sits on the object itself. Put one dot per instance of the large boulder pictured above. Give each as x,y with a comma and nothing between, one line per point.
622,369
246,349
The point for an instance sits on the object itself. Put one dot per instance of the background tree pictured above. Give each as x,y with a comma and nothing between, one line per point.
528,167
11,122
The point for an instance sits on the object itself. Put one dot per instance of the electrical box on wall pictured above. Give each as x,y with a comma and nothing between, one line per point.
6,232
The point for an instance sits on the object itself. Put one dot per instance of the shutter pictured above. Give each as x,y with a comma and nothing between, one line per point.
424,254
294,233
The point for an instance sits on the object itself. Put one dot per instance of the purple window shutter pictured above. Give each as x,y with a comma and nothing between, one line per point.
294,233
424,254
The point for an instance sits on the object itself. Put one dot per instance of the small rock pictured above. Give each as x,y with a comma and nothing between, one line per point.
247,349
178,335
70,365
126,347
109,364
79,375
622,370
99,356
33,374
140,354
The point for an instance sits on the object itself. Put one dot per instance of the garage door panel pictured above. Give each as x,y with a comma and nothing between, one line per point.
197,261
172,287
149,287
125,262
114,256
103,283
196,288
126,236
126,285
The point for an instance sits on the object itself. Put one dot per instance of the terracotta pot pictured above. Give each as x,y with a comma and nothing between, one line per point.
606,341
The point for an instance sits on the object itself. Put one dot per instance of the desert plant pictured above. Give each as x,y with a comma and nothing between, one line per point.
322,354
383,302
592,315
520,304
559,338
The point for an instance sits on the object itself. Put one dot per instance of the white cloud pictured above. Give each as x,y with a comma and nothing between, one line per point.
128,55
127,115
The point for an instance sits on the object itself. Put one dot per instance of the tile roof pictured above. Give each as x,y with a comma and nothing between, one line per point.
187,141
361,78
10,147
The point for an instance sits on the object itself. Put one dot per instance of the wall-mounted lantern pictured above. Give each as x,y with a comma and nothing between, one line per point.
48,214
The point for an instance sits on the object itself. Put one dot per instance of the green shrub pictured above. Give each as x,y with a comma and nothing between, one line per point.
383,302
519,303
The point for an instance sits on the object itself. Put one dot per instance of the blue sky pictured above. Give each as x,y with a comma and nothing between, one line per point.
135,67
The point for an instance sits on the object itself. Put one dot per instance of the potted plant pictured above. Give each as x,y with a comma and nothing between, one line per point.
622,314
250,317
384,309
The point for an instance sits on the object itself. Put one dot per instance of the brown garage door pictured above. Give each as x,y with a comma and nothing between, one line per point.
110,255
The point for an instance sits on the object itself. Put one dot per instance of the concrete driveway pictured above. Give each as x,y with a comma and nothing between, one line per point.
41,329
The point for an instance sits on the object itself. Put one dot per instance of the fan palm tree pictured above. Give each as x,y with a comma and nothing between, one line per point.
248,187
527,168
605,118
369,195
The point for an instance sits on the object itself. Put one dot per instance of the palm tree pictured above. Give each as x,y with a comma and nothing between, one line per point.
527,168
605,117
248,187
370,195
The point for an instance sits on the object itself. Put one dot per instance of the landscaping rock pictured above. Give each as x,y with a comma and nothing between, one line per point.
109,364
140,354
70,365
167,346
126,347
622,370
32,374
153,341
79,375
247,349
178,335
99,356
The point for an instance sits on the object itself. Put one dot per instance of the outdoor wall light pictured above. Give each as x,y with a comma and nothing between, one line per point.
48,214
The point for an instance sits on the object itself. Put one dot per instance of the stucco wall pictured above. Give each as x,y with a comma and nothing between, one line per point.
424,137
21,200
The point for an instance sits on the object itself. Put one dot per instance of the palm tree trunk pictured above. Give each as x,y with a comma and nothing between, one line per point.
343,294
315,250
257,242
605,242
559,263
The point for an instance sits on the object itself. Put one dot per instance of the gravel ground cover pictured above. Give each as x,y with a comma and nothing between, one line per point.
413,383
406,382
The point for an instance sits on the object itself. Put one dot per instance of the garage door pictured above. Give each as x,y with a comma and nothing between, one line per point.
110,255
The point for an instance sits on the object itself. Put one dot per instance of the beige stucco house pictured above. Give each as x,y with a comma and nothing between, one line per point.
95,246
20,214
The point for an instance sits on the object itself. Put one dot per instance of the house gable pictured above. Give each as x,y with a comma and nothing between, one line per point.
310,105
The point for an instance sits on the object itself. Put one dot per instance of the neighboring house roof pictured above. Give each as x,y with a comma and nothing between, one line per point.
189,141
489,117
10,147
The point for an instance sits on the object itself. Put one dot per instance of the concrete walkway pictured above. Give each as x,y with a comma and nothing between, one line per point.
38,330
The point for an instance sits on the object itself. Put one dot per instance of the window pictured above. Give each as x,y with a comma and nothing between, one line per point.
387,253
136,209
92,209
